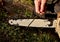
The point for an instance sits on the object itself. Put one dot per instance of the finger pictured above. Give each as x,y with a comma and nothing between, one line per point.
42,5
41,13
37,4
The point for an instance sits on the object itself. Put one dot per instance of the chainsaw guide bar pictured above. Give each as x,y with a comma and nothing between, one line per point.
32,23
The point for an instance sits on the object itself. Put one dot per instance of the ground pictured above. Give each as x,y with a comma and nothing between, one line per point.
10,33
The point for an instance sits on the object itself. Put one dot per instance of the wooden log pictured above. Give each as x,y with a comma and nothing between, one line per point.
57,10
58,24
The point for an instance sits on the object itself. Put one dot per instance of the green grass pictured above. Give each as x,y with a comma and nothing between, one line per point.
19,34
28,2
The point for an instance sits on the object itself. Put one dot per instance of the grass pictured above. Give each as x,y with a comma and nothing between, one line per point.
10,33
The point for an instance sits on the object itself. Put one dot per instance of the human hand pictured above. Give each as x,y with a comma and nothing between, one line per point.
40,6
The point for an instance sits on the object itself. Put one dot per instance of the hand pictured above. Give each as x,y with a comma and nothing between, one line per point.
39,6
